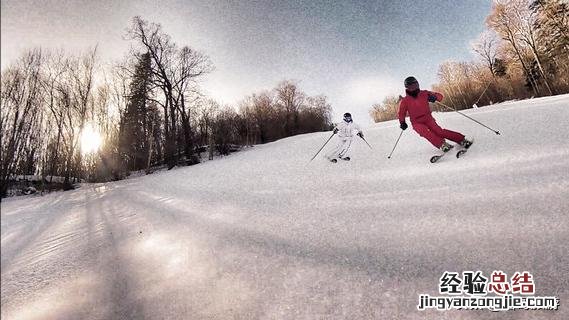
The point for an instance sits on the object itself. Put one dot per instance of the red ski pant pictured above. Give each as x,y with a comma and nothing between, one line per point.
428,128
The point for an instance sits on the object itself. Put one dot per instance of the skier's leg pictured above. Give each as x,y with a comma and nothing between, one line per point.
333,153
447,134
345,147
423,131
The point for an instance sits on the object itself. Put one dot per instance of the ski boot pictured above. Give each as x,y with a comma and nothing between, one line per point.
446,147
346,158
333,160
466,143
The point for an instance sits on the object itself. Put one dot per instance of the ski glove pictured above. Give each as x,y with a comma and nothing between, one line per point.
403,126
335,130
432,98
361,134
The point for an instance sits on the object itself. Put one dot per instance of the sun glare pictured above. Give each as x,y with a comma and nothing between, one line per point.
90,140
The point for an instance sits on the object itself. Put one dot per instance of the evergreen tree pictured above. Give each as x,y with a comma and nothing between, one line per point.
135,127
500,68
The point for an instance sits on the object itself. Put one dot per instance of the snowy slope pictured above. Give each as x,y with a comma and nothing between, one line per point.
263,234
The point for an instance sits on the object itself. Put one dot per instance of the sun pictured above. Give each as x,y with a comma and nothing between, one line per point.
90,140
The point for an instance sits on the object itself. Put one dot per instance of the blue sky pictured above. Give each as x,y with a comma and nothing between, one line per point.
353,52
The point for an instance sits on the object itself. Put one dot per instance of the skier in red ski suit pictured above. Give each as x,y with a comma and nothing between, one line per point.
416,103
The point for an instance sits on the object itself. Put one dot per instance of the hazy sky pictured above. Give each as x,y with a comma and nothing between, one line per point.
355,52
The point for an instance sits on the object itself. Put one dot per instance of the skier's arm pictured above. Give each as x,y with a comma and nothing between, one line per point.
435,96
339,127
402,111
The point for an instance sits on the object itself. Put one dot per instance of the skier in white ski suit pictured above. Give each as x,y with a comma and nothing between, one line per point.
346,131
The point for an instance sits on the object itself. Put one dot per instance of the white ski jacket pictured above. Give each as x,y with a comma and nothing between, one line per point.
347,129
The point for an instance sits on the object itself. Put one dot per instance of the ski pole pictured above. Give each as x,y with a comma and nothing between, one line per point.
366,143
484,91
480,123
396,142
322,147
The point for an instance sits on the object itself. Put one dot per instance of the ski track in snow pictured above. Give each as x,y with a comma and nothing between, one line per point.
264,234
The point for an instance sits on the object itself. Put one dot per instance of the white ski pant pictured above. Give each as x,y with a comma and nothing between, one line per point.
341,149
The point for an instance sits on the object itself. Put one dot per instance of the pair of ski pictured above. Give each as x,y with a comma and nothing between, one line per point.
459,153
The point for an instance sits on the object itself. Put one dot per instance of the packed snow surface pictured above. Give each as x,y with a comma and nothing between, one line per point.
264,234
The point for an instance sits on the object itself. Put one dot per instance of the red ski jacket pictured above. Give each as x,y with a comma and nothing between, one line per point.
417,107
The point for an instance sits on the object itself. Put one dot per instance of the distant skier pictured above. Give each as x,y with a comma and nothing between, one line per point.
416,103
345,131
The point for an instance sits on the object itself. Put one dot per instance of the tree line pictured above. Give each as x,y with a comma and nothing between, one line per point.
148,108
523,53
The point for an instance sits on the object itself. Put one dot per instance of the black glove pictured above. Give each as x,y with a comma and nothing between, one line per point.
403,126
335,130
361,134
432,98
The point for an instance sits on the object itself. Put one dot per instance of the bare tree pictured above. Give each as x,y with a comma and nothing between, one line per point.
525,30
505,22
315,115
386,110
263,112
76,89
290,100
21,112
486,46
53,72
174,70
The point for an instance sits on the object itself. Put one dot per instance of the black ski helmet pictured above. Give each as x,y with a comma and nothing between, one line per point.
409,81
347,117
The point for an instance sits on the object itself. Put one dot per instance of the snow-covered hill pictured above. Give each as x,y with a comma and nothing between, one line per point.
264,234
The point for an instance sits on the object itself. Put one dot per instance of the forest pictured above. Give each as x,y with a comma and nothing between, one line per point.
69,118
